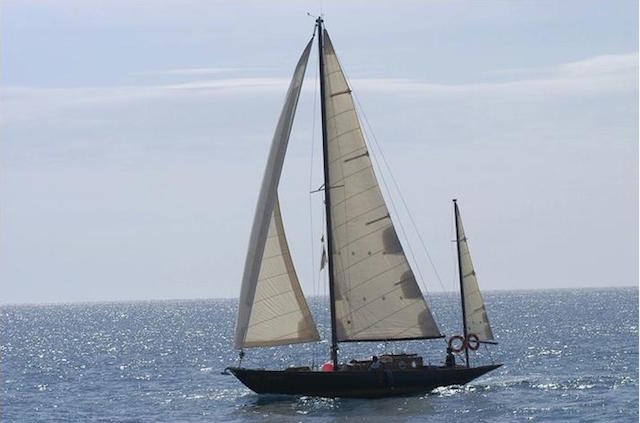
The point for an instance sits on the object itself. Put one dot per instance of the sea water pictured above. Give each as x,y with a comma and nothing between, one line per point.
569,355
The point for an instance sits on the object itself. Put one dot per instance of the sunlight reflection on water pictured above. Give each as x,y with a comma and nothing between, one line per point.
161,362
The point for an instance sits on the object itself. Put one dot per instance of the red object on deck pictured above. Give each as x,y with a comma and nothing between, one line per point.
327,367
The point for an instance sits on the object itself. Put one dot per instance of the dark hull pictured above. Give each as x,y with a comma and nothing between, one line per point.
357,383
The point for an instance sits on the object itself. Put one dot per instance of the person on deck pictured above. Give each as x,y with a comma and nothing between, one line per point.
451,359
375,364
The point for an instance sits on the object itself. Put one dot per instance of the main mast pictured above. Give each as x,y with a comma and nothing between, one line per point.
327,197
456,212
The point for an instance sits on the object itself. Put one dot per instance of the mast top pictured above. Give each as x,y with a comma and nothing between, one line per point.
455,199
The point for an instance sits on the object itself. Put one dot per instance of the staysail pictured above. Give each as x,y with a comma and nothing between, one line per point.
376,296
272,309
476,318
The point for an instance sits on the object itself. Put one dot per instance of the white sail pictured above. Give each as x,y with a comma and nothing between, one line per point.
476,315
279,314
272,309
376,294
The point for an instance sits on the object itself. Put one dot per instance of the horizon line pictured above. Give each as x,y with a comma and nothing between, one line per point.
160,300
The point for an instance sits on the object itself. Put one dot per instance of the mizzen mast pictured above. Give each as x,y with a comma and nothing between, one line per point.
461,275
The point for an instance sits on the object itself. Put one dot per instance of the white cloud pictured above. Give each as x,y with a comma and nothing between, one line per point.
597,75
232,83
605,64
197,71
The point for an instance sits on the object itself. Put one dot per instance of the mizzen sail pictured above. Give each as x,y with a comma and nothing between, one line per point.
376,294
476,319
272,309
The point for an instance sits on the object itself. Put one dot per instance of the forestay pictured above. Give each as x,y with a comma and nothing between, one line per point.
475,313
376,294
272,309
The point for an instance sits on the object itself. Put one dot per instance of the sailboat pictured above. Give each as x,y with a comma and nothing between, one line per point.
373,293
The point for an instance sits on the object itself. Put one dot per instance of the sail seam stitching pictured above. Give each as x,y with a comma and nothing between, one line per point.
386,317
273,318
273,296
332,139
397,286
334,117
353,218
355,263
372,278
354,195
346,154
357,171
342,247
273,276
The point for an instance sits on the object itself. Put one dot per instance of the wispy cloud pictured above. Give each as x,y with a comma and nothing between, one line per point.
596,65
595,75
605,64
231,83
592,76
198,71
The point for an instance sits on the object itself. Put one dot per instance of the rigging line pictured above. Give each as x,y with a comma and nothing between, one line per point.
354,96
429,298
393,179
377,144
393,205
415,226
404,234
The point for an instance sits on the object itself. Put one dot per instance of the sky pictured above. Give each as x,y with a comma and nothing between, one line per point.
133,137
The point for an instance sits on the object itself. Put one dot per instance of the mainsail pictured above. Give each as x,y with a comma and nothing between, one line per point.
272,308
376,296
476,319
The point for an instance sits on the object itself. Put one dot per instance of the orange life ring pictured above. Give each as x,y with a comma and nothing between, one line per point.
472,342
462,346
